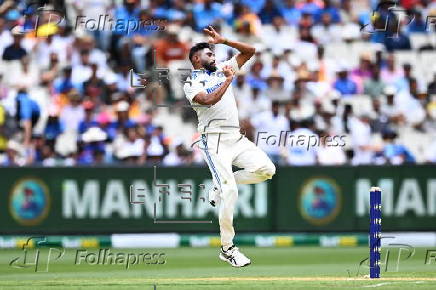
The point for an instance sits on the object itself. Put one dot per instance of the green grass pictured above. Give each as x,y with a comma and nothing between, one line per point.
200,268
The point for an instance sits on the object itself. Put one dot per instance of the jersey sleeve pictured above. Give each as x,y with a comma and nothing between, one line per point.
232,62
192,87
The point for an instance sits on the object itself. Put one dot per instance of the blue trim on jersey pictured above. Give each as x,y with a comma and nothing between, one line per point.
212,166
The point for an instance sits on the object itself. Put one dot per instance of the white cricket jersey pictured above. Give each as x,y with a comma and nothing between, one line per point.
221,117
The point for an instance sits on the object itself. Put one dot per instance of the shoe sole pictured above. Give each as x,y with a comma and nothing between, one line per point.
226,260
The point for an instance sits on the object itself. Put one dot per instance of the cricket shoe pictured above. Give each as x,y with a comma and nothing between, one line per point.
234,257
214,196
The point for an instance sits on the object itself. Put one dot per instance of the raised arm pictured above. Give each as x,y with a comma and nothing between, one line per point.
245,51
214,97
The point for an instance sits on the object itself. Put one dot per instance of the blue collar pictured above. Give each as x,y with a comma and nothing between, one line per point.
203,70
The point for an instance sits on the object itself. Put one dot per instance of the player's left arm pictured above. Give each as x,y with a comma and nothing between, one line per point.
245,51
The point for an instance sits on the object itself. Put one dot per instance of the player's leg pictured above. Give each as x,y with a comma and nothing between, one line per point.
257,166
220,164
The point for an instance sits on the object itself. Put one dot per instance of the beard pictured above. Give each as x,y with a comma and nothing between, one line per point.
210,67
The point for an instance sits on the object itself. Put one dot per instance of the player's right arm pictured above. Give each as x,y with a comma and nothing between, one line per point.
214,97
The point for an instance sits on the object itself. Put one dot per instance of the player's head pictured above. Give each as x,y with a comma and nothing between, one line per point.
201,55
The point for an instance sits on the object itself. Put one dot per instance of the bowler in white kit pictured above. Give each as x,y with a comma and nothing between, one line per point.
209,90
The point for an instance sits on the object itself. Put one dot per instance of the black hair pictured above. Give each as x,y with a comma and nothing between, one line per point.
199,46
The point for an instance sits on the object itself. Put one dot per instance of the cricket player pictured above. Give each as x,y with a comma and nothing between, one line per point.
209,90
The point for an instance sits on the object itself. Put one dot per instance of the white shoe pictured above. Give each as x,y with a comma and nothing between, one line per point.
214,196
234,257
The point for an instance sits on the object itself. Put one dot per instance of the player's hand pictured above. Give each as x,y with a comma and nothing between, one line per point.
229,72
214,37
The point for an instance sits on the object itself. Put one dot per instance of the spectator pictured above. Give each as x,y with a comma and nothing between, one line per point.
329,153
64,84
72,114
5,36
170,48
249,19
276,91
142,41
125,13
374,86
270,126
28,113
291,14
277,36
180,156
299,148
206,13
361,140
344,84
38,143
409,105
122,120
26,76
402,82
92,147
392,152
381,121
132,147
53,127
15,51
13,155
255,78
255,103
268,12
89,119
325,32
397,42
94,86
331,9
311,7
256,5
155,146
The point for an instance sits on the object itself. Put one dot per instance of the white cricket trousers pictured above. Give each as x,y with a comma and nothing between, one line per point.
221,151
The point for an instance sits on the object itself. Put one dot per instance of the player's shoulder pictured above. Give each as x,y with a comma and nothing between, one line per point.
195,79
193,76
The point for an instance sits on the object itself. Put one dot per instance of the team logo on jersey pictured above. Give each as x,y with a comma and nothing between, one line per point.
29,201
319,200
211,89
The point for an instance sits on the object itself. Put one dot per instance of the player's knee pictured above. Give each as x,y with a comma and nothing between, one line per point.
267,171
231,190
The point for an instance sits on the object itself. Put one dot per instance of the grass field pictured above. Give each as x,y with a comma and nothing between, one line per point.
200,268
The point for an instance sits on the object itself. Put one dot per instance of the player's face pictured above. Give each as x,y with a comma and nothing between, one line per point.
207,59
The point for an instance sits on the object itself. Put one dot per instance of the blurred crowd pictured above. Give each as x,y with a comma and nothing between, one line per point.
80,79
